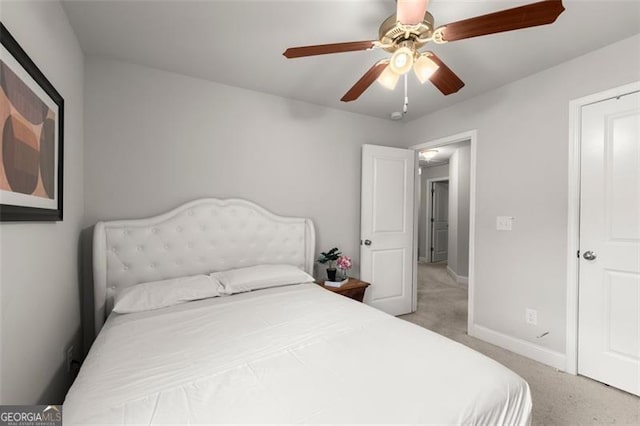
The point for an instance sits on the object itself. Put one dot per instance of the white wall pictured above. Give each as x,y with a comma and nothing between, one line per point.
452,253
157,139
427,173
40,308
522,172
463,181
458,255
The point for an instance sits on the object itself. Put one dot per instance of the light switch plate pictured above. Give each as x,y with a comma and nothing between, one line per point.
504,223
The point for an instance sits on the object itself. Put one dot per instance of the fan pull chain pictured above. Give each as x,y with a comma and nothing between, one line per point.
405,107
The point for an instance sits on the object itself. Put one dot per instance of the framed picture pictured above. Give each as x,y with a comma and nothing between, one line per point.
31,142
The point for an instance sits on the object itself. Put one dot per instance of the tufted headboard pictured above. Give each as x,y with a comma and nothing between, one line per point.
199,237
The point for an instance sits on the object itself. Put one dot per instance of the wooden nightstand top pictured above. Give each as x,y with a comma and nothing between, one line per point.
354,289
351,285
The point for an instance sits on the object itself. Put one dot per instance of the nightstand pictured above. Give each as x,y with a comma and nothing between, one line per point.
354,289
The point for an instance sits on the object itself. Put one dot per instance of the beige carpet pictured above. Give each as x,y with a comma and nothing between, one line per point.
558,398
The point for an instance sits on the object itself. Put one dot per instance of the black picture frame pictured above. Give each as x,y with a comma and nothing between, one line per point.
16,213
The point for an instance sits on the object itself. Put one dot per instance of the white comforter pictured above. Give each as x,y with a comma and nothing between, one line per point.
296,354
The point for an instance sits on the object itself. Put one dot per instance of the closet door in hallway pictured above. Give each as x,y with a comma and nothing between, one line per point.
439,220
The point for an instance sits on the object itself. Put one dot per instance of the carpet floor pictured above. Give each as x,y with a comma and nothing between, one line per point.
558,398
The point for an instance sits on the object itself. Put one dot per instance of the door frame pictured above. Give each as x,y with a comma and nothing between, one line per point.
472,137
428,209
573,220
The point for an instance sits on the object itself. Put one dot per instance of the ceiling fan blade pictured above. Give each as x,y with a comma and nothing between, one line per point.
365,81
325,49
531,15
411,12
444,79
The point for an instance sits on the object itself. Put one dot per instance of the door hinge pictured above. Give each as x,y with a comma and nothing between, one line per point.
433,220
578,254
431,248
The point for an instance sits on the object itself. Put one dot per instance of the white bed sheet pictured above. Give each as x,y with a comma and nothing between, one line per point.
296,354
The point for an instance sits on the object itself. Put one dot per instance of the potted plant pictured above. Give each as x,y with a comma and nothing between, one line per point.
330,257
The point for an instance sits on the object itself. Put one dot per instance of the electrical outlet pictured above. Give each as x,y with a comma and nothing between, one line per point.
532,316
69,358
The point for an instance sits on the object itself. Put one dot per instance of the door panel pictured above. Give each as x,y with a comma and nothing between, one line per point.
440,244
609,293
623,176
388,265
388,196
621,328
388,176
440,222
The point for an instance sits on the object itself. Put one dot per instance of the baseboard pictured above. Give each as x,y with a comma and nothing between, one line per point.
519,346
458,278
452,274
423,260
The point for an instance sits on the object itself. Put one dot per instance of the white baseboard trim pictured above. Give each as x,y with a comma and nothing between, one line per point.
423,260
519,346
458,278
452,274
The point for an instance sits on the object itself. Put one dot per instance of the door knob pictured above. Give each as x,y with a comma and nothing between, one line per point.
367,242
589,255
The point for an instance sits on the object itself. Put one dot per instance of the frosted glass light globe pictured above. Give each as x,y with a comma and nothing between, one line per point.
402,60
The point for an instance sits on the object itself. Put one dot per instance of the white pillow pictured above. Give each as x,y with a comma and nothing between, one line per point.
261,276
160,294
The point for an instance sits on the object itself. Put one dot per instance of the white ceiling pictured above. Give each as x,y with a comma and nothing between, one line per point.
240,43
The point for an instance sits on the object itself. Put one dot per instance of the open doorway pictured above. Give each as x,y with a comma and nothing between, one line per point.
444,263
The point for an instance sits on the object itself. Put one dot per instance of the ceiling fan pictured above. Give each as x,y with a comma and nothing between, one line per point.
412,27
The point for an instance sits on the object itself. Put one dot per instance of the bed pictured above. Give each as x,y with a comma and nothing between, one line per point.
286,354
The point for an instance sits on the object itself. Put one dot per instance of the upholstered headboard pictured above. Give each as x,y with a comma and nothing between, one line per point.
199,237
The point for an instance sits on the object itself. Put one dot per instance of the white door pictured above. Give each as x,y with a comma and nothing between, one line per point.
440,221
386,251
609,293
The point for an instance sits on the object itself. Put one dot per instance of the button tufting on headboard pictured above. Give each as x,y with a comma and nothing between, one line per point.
200,237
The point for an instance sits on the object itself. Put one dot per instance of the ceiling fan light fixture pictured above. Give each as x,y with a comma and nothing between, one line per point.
424,68
402,60
412,26
388,78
